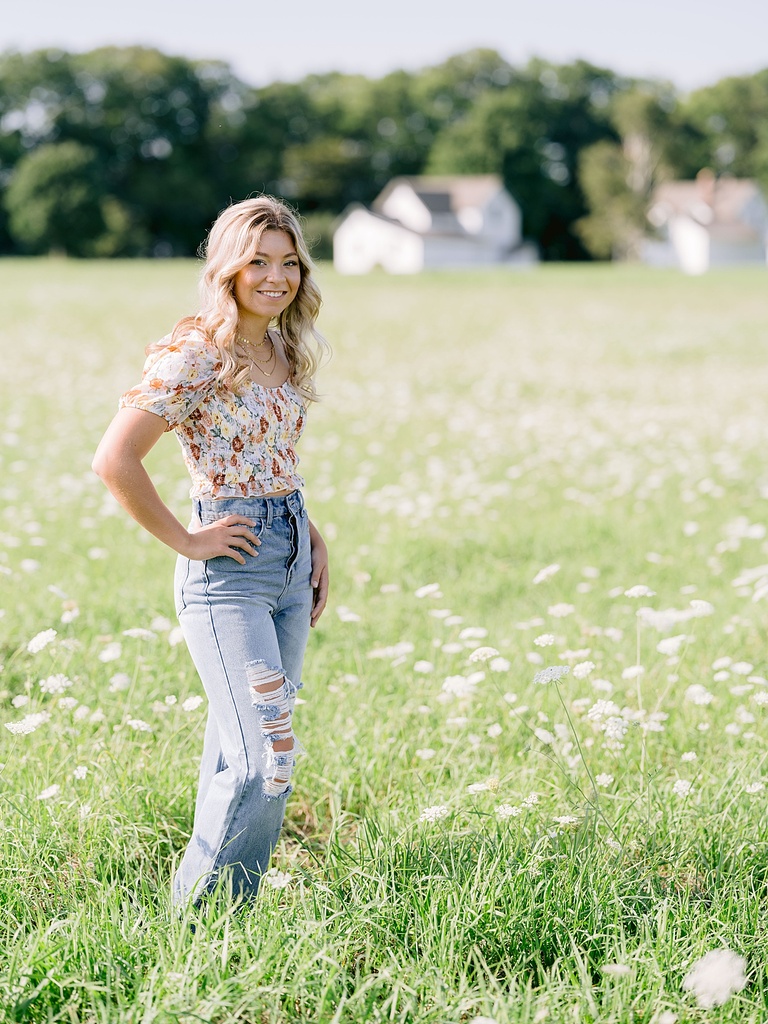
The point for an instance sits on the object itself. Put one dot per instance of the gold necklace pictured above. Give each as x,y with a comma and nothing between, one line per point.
272,356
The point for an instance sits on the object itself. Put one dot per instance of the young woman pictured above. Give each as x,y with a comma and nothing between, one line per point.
234,383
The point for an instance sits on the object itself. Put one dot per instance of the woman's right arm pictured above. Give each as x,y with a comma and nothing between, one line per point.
119,463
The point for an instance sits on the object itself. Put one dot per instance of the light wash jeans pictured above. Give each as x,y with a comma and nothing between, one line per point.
246,627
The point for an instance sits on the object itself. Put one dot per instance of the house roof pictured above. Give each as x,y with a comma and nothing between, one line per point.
713,202
446,193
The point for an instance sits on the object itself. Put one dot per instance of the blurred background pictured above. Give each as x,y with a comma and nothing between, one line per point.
615,134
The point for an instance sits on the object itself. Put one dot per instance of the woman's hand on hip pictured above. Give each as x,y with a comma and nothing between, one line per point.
319,574
225,537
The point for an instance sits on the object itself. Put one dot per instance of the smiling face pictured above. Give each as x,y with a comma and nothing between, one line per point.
269,283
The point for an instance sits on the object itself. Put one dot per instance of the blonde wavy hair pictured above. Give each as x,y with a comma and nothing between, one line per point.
231,245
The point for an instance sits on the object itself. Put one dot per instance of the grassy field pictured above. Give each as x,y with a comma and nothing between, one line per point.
556,468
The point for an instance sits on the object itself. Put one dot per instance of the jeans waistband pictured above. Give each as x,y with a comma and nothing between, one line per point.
254,507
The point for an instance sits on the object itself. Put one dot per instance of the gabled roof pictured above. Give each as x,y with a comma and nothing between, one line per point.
712,202
447,193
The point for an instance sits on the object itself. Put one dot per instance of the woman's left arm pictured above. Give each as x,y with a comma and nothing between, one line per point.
319,573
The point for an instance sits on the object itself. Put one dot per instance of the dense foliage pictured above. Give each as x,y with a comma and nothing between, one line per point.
130,151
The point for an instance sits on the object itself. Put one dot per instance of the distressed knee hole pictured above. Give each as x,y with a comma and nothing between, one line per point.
273,697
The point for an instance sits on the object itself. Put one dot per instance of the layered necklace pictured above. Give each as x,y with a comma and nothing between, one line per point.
271,358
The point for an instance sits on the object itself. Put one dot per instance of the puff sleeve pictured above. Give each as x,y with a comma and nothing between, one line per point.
177,378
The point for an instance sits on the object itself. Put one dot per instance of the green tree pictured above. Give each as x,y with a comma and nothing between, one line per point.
732,116
54,200
531,133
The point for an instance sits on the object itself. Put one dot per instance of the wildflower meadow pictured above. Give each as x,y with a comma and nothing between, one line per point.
535,711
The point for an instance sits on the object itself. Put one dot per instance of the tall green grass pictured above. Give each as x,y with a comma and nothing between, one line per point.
475,428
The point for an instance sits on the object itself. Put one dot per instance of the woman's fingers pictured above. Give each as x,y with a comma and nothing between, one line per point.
320,596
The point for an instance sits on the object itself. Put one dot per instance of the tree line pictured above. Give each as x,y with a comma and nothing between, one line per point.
132,152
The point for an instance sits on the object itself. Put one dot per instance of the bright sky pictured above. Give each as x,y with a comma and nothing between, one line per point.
691,42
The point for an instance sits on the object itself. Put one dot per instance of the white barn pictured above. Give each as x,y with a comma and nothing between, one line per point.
424,222
709,222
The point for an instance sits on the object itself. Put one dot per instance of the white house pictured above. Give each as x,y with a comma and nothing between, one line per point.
709,222
423,222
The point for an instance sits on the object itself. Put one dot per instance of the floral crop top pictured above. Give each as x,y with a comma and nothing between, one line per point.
235,444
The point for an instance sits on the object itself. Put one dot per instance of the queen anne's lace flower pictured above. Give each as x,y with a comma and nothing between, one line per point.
41,640
434,813
551,674
716,977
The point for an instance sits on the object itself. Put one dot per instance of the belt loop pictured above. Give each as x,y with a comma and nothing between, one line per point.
269,510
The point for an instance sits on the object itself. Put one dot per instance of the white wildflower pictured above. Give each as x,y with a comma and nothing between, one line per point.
582,670
546,573
545,640
761,698
111,652
28,723
603,709
423,667
67,703
603,780
80,772
632,672
69,615
701,608
55,684
553,673
20,700
176,636
682,787
192,703
41,640
689,755
698,694
428,590
566,821
278,879
160,624
721,663
754,787
458,686
671,645
140,634
639,590
615,727
139,725
716,977
483,654
499,665
544,736
742,668
559,611
434,813
477,787
616,970
425,753
530,800
51,791
119,681
473,633
508,811
171,699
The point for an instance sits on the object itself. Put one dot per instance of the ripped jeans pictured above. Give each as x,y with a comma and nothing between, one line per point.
246,627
